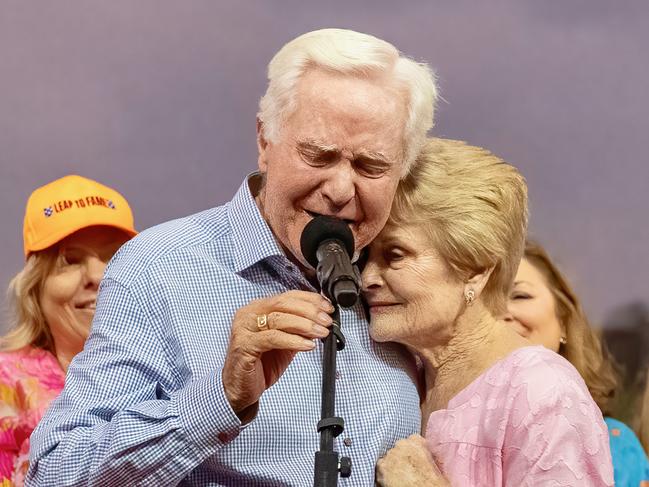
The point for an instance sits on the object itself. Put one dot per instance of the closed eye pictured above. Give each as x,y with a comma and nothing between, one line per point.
520,296
317,156
371,168
393,255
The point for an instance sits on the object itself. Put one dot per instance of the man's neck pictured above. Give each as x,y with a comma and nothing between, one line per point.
256,186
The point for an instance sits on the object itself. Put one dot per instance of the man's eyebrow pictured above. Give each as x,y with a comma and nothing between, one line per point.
372,155
315,146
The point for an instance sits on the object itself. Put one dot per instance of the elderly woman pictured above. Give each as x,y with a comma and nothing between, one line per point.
495,410
544,309
72,227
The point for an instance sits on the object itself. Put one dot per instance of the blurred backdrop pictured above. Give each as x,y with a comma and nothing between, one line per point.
157,98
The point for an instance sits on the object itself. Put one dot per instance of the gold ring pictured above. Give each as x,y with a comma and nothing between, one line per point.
262,322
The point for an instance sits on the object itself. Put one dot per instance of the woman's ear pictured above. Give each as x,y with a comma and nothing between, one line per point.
474,286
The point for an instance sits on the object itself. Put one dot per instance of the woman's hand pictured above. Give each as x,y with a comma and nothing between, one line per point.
409,463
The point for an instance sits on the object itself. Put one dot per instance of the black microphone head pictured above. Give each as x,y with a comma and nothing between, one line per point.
323,228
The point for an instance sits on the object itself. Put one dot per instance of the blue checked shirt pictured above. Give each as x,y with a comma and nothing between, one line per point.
144,403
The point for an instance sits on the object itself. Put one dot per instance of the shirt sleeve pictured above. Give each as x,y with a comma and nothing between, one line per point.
555,434
126,416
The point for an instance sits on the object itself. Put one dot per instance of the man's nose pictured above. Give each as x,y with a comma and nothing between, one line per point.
340,188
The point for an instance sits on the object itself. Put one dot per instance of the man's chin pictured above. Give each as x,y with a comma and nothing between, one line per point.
294,253
364,235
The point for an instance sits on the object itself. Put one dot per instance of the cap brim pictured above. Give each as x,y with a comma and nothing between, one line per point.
54,239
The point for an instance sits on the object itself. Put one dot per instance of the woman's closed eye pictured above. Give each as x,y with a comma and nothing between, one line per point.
520,296
393,254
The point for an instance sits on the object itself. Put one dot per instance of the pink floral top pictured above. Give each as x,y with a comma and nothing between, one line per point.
526,421
29,380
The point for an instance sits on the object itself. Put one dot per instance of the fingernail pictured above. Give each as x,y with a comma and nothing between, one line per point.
327,306
320,331
308,344
325,319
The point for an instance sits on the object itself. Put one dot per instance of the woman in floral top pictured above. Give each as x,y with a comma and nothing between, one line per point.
73,226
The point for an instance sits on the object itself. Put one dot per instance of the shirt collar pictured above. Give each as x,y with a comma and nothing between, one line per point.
253,239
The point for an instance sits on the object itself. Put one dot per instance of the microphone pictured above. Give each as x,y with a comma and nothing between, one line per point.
327,244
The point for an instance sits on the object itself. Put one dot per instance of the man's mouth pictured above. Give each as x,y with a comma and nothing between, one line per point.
313,214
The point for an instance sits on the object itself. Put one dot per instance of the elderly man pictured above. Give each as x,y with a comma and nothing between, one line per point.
181,380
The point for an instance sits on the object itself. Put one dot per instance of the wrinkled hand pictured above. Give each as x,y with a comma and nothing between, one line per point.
409,463
257,357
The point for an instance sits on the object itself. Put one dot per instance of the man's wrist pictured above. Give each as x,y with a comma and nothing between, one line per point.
247,414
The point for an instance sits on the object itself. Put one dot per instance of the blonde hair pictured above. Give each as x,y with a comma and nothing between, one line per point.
474,207
583,349
350,53
29,327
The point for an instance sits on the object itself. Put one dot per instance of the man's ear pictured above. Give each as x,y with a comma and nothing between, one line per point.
477,282
262,146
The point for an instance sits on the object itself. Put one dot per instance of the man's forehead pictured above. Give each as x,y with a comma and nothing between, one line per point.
322,86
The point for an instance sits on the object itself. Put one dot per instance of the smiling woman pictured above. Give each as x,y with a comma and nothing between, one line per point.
73,226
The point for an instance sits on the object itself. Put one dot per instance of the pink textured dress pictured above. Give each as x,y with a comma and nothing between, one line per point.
29,380
526,421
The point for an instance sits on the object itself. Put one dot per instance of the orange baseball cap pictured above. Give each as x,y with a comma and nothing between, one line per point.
71,203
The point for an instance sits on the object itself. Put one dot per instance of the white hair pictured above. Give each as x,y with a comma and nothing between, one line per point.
348,52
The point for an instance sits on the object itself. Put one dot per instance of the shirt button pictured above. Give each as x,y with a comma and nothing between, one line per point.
338,375
347,442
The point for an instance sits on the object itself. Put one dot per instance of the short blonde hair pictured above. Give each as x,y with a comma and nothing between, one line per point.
29,327
355,54
474,207
583,348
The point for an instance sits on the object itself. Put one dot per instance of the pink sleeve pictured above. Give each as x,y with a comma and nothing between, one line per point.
29,380
556,434
10,436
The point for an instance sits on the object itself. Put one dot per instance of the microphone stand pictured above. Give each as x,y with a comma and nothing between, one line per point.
340,282
327,463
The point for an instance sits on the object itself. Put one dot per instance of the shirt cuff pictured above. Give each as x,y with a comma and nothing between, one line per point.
205,413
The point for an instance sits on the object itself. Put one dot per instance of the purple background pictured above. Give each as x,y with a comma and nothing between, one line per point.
158,99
